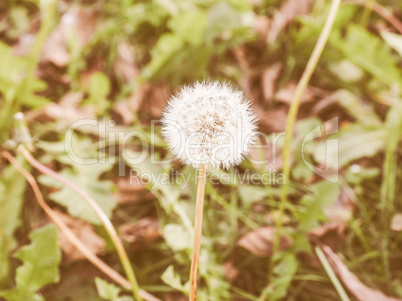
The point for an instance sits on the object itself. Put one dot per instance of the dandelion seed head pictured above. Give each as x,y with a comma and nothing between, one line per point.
209,123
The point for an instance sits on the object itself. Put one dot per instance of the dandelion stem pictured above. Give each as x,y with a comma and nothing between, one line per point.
197,233
291,119
107,224
89,255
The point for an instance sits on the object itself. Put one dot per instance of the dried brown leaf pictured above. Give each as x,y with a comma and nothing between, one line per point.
127,108
126,64
343,208
142,232
329,233
354,285
85,232
25,42
268,79
261,25
270,153
157,97
80,20
242,59
273,120
55,50
286,94
338,214
132,190
396,224
259,242
174,296
130,185
286,14
67,109
231,272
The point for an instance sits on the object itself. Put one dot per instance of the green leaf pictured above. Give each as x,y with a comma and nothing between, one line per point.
393,40
356,177
15,89
347,71
167,193
108,291
223,18
41,259
183,26
87,178
364,114
354,142
324,194
12,70
313,23
241,5
284,271
75,152
177,237
168,45
251,194
12,187
20,19
99,89
172,279
369,52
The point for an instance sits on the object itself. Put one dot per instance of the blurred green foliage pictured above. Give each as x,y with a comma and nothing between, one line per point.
40,265
174,43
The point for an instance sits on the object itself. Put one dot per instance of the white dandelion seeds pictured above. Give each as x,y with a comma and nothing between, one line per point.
209,123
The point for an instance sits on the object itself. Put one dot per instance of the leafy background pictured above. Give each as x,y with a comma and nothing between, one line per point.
62,61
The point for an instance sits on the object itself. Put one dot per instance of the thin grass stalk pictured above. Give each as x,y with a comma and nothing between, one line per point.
389,181
199,206
331,274
382,11
102,216
367,12
88,254
291,119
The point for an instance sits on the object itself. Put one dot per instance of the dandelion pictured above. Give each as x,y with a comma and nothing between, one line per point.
208,123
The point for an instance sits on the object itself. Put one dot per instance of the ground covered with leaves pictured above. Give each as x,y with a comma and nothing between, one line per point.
116,63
